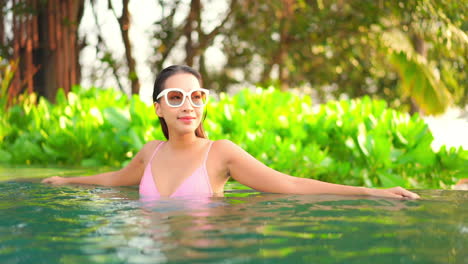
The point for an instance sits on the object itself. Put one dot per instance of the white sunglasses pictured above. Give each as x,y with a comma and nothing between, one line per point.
175,97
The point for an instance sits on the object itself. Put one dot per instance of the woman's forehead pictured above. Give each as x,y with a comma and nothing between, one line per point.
183,81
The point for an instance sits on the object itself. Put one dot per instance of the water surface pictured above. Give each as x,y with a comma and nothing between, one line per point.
86,224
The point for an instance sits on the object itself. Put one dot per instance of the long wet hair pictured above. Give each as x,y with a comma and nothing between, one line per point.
159,86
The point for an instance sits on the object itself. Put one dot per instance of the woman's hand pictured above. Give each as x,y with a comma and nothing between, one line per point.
395,192
56,180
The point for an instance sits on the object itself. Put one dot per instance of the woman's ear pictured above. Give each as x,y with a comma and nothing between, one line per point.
157,109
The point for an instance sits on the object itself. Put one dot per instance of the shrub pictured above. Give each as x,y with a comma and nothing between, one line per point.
356,142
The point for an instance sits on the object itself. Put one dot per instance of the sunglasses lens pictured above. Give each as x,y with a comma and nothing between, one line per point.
175,98
198,98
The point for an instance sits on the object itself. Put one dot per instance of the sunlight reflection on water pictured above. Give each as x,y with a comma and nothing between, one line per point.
45,224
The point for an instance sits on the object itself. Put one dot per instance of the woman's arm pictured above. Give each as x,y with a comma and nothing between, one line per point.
247,170
129,175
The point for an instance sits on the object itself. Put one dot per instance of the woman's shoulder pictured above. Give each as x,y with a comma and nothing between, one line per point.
228,151
223,143
224,146
150,147
152,143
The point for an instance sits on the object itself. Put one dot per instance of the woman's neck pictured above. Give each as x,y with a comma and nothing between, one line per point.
182,141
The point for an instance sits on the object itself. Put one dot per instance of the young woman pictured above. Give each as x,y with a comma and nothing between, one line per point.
190,164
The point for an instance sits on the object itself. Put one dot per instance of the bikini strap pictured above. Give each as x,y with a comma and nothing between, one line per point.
156,150
206,155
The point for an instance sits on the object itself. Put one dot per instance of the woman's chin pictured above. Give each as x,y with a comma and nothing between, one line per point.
186,131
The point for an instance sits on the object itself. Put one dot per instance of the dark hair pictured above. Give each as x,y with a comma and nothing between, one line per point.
159,87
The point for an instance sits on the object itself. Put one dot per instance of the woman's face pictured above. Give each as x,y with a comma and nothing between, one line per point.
183,119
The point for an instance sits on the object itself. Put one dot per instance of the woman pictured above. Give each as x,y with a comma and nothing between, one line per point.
190,164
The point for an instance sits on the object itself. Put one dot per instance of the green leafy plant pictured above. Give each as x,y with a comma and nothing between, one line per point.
357,142
7,72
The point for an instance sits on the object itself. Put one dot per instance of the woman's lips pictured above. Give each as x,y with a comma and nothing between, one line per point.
187,119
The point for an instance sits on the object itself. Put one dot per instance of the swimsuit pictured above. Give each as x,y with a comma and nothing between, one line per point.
197,184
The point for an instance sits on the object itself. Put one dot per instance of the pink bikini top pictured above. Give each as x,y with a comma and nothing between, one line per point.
198,184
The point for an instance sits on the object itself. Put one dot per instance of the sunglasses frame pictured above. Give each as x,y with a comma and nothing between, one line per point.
185,95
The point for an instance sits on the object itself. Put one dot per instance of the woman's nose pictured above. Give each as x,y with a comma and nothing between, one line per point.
187,105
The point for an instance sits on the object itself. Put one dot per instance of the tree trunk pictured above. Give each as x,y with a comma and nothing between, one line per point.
2,29
419,45
420,48
45,42
45,79
285,21
195,47
190,46
283,54
124,22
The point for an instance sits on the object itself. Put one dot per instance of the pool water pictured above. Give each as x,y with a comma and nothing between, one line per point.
86,224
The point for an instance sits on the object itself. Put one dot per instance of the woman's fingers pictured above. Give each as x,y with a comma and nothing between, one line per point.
396,192
404,193
54,180
48,180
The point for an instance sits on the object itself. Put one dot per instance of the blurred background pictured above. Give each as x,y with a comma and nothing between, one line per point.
412,54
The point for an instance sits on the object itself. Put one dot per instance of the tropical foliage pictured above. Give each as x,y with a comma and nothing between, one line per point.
359,142
410,53
413,54
7,72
